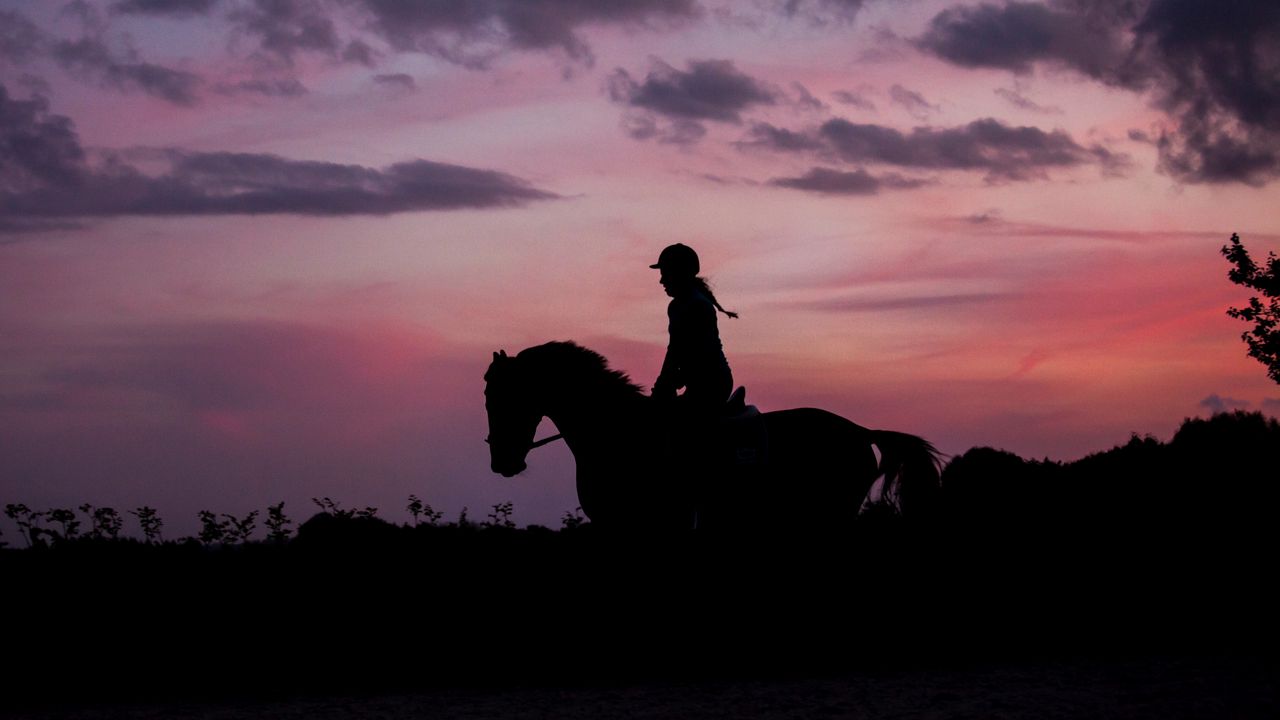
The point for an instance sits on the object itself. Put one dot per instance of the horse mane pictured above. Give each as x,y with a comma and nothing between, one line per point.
568,363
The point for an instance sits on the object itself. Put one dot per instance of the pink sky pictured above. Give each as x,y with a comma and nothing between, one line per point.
974,241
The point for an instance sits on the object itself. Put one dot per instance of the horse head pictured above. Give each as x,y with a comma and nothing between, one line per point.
513,419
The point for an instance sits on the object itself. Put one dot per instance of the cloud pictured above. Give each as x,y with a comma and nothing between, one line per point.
1001,151
1271,406
857,100
708,90
1213,68
821,12
783,140
1219,78
835,182
90,59
1016,35
1022,102
474,33
985,217
913,102
286,27
45,176
360,52
397,80
36,148
20,39
711,90
805,100
645,126
279,87
164,7
1216,403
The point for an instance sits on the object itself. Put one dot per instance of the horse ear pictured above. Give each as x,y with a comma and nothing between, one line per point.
495,356
504,353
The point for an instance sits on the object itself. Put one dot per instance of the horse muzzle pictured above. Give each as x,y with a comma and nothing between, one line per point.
509,469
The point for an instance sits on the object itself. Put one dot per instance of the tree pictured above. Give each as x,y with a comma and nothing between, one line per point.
238,530
107,523
1264,339
211,529
150,522
277,523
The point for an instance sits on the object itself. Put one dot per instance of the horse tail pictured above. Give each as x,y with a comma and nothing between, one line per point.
912,469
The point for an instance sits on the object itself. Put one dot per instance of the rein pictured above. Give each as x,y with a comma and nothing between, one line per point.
539,443
545,440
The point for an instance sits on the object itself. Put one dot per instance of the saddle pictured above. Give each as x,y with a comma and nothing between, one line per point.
736,439
742,431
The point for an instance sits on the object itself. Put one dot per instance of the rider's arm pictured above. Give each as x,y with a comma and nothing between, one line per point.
669,378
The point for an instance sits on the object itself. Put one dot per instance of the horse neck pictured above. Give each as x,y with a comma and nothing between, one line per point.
586,412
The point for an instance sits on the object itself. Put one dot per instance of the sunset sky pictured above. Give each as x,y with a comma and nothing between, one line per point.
262,250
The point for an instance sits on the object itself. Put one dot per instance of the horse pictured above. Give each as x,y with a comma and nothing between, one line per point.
818,471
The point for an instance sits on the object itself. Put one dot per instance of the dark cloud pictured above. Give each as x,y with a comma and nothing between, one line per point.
1214,68
985,217
1216,403
821,12
239,183
164,7
36,148
286,27
671,104
279,87
1219,78
913,102
1022,102
781,139
987,145
646,126
805,100
399,80
1016,35
359,51
472,33
90,59
46,177
708,90
835,182
89,15
854,99
20,39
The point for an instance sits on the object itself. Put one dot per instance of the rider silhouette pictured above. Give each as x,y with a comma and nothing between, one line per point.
695,358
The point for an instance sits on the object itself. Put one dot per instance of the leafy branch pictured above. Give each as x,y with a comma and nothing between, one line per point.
1264,339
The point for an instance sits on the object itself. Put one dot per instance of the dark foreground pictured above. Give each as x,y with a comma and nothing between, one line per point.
373,621
1167,688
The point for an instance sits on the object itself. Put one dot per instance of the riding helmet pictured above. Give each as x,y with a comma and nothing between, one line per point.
678,259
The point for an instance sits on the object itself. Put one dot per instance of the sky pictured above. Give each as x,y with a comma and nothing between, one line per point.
255,251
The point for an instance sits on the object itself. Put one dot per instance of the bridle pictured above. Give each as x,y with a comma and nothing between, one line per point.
539,443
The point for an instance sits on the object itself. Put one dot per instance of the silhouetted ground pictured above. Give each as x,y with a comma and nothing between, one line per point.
1136,581
1166,688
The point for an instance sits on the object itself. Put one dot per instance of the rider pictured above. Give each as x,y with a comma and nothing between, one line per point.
695,358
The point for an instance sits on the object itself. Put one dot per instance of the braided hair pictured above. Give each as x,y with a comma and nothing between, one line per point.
701,284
